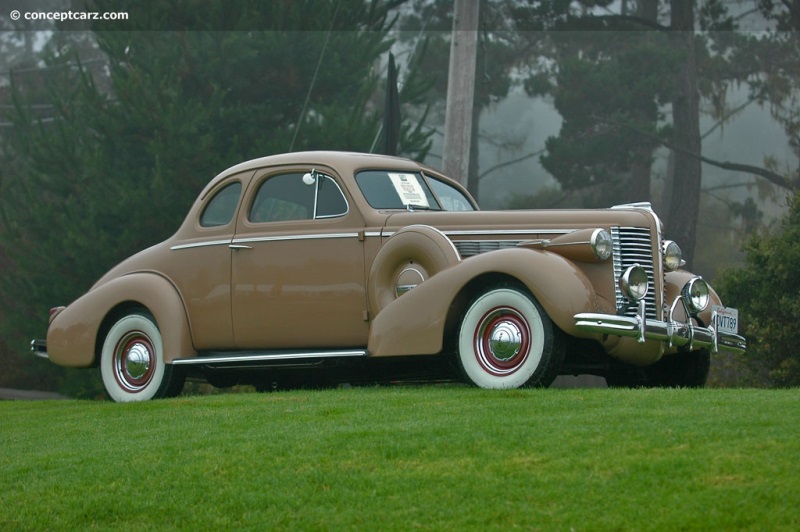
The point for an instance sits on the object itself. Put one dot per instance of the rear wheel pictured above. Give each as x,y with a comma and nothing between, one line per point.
506,340
132,361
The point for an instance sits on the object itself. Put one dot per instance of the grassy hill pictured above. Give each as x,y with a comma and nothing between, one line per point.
399,458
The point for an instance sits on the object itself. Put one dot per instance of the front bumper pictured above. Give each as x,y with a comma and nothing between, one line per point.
673,333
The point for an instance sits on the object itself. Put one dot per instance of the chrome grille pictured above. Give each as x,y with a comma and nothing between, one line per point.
470,248
633,245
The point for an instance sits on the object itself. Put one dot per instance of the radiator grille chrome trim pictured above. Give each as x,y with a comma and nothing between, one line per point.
633,245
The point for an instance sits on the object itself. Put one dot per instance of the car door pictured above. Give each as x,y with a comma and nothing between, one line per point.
297,277
199,264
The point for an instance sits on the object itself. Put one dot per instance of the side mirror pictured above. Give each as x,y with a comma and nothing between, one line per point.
310,177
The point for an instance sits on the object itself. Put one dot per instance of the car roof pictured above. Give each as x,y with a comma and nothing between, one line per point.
340,160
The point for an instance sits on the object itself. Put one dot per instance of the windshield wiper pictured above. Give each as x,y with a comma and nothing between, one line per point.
412,208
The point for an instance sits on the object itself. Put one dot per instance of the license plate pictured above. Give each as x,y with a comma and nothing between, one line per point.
727,319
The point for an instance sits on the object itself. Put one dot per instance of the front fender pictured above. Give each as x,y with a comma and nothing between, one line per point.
73,336
414,324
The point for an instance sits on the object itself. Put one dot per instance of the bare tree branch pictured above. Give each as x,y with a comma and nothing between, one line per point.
728,115
509,163
772,177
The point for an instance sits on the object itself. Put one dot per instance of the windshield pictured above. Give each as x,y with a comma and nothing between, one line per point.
385,189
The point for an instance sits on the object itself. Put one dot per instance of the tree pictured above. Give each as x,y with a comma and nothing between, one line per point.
765,292
617,113
120,163
498,54
684,192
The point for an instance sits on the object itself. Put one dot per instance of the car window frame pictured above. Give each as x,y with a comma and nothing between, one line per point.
422,179
429,178
258,184
212,196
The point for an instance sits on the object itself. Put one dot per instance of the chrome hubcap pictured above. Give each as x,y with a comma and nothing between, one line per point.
505,340
137,361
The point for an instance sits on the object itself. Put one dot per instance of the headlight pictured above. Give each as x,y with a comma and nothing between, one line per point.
633,283
695,294
673,256
601,244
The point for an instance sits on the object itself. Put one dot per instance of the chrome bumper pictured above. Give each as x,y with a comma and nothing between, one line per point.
674,333
39,348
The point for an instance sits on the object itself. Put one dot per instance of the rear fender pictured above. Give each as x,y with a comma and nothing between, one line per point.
73,338
414,324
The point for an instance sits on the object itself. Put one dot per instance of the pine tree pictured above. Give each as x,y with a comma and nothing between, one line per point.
119,164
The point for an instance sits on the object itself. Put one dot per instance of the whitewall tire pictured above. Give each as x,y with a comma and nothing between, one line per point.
132,361
506,340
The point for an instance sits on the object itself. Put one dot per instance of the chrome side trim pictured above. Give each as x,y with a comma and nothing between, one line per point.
202,244
265,356
489,232
455,250
483,232
322,236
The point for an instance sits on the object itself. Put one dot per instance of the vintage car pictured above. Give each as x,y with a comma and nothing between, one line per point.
320,268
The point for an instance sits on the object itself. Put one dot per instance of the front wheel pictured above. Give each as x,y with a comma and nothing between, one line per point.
132,361
506,340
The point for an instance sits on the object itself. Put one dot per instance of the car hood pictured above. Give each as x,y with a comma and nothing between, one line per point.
523,222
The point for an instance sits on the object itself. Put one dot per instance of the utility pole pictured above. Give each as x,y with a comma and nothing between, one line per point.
461,90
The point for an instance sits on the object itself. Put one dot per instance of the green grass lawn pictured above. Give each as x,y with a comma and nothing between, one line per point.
401,458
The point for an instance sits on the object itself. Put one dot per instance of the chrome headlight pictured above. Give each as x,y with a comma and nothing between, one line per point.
673,256
602,244
633,283
695,294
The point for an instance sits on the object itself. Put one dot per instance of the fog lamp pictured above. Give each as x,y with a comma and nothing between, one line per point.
695,294
633,283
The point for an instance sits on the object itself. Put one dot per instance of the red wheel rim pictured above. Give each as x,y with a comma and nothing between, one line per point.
134,361
502,341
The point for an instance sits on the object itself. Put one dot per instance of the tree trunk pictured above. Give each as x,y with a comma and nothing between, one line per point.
460,90
638,185
684,194
473,177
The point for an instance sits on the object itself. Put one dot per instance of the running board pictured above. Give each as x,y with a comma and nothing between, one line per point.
223,359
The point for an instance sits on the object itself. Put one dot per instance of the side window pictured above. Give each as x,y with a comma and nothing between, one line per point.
452,198
221,208
293,197
282,198
330,201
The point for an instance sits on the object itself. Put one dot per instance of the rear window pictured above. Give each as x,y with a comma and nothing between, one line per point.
222,206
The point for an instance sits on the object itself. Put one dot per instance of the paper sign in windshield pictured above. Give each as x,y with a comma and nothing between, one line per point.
409,189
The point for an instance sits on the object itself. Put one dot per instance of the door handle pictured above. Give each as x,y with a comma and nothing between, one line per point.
239,246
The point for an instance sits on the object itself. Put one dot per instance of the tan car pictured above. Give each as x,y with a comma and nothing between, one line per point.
324,267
